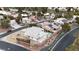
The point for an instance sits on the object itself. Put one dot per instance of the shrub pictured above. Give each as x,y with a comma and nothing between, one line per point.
77,20
68,16
66,27
4,23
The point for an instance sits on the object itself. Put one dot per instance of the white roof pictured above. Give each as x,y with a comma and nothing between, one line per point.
53,14
24,15
63,8
13,9
74,16
60,20
49,7
26,20
5,12
55,26
46,14
36,34
1,17
15,15
14,24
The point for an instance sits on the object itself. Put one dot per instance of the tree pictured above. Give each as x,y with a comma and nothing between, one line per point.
31,8
69,9
66,27
33,13
58,16
19,9
39,9
4,23
56,10
19,18
77,20
68,15
42,9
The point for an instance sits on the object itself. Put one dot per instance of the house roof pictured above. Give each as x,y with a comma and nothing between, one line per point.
61,20
24,15
46,14
5,12
36,34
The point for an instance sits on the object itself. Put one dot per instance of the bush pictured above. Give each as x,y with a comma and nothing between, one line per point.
39,14
58,16
56,10
77,20
43,9
66,27
33,13
4,23
68,16
18,19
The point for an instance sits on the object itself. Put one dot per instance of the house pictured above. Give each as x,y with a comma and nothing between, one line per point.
1,16
13,10
32,38
28,19
53,15
25,20
24,15
5,12
14,24
60,21
14,14
47,16
52,27
62,9
37,34
73,19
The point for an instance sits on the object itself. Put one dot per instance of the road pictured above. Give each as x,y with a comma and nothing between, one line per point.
48,48
5,34
67,39
8,46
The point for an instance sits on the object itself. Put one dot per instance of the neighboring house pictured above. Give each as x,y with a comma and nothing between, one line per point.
52,27
73,19
25,20
14,14
52,15
24,15
62,9
13,10
14,24
60,21
47,16
29,20
1,17
5,12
